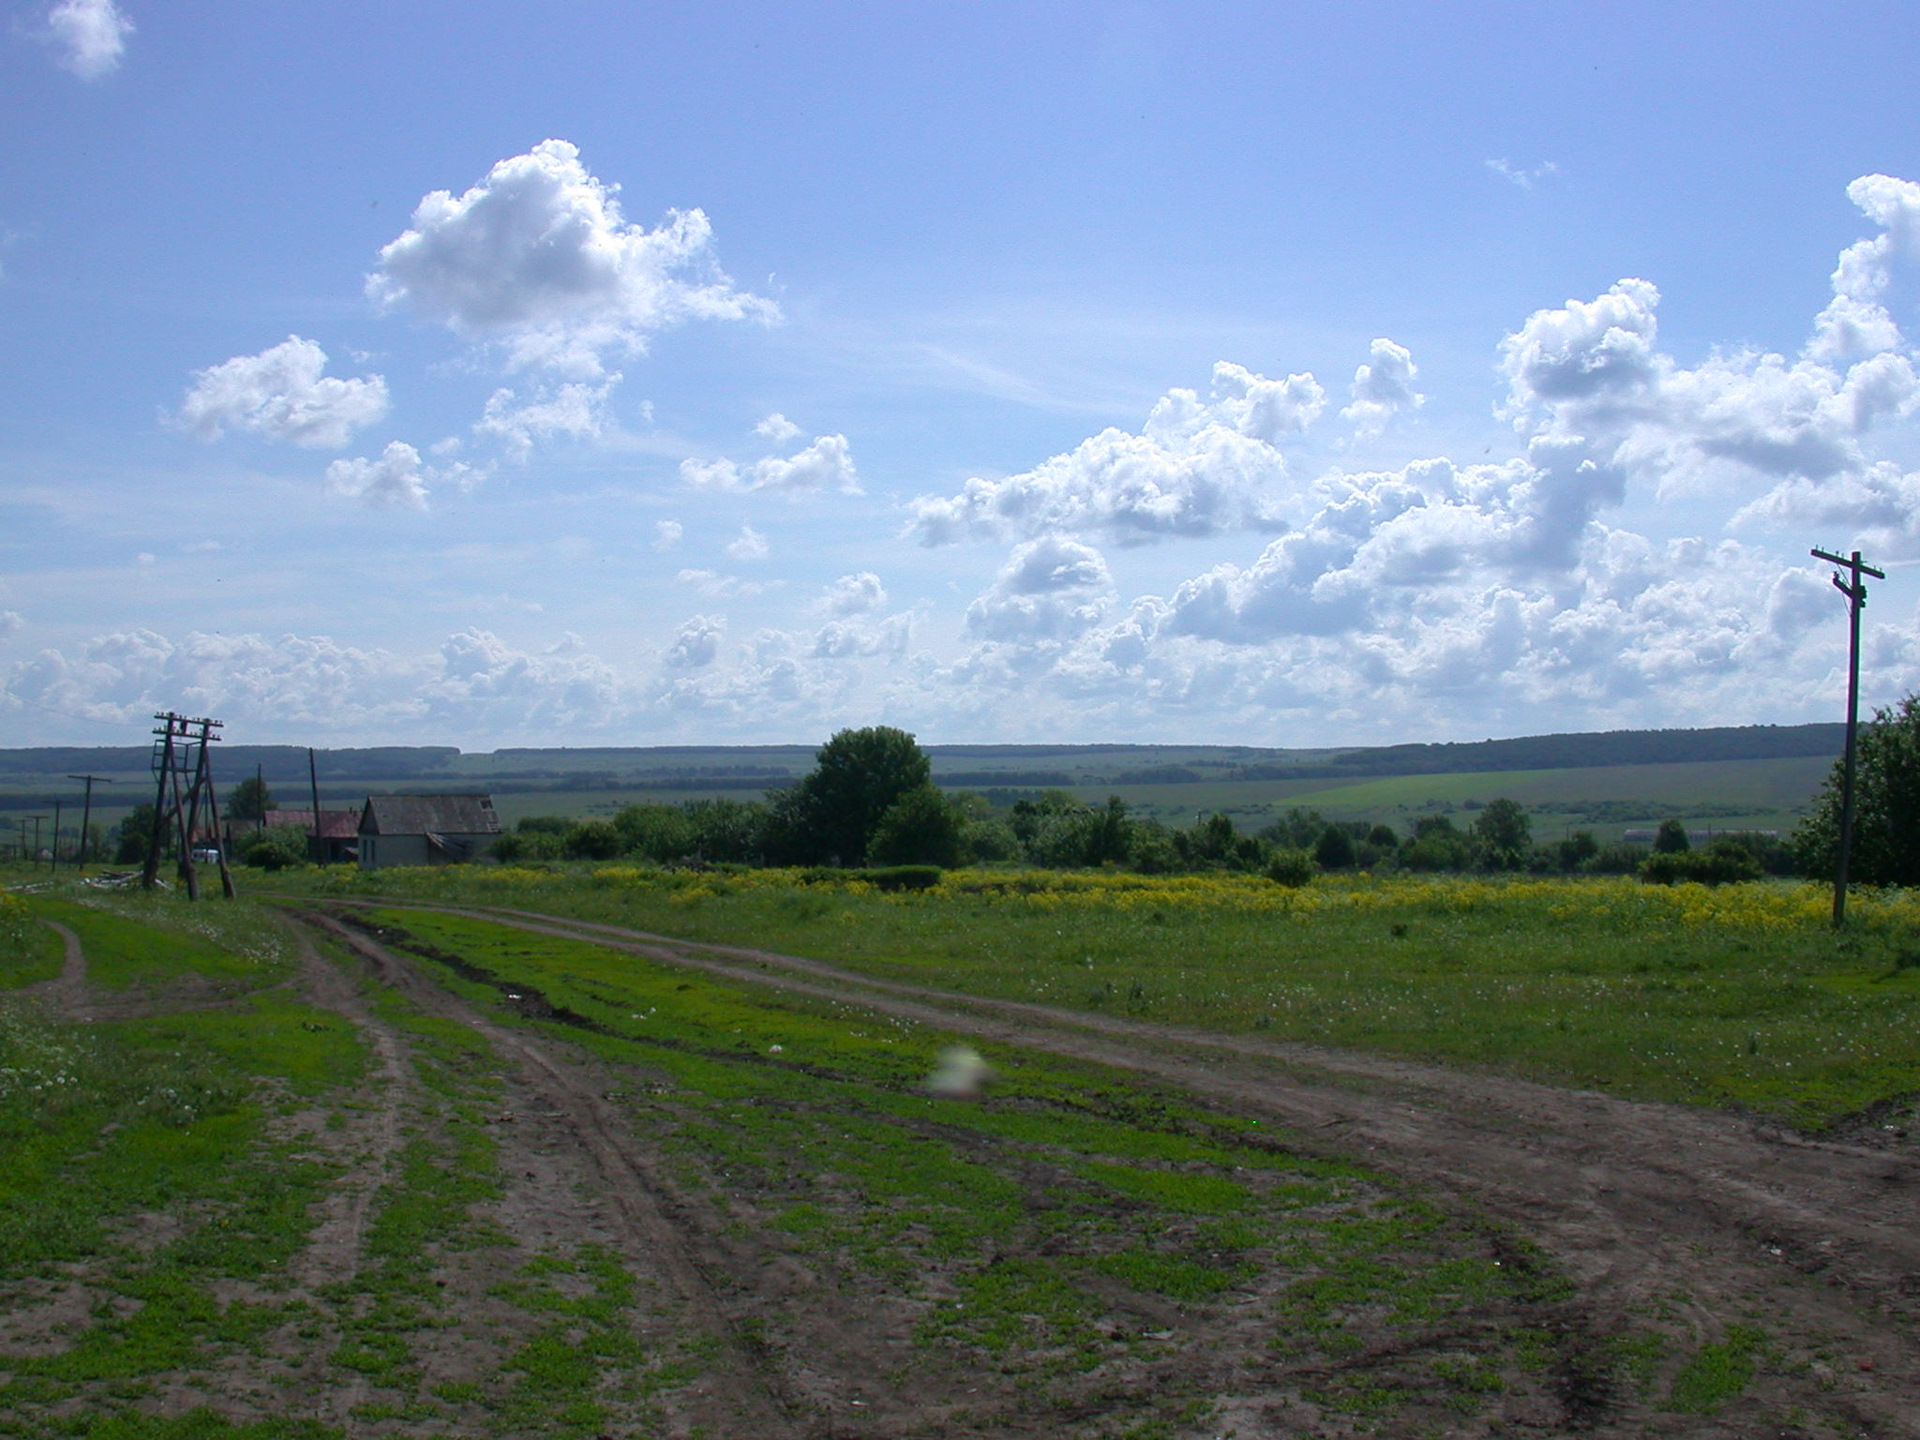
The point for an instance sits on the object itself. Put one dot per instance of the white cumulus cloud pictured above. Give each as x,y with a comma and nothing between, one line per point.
575,409
667,534
91,36
854,594
1195,468
696,643
283,394
750,544
1855,323
539,257
396,478
1383,387
1050,589
826,464
776,429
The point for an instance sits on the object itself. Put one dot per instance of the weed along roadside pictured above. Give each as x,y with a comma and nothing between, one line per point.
446,1170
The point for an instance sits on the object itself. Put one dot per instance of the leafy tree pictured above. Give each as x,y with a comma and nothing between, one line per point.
989,839
1671,838
249,800
592,840
831,814
1577,849
1505,834
1152,851
1297,829
1027,816
1434,845
1886,805
728,831
130,841
922,827
654,832
1334,849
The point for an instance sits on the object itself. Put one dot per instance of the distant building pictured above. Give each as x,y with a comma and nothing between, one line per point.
426,830
338,839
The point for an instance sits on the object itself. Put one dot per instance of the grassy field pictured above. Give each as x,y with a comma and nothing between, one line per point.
1075,1248
1081,1246
1739,996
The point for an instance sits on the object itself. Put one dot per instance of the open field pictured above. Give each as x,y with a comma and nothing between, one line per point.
1752,776
420,1165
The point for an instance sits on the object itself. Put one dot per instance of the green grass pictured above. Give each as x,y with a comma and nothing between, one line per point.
106,1126
1741,997
29,951
155,940
1040,1228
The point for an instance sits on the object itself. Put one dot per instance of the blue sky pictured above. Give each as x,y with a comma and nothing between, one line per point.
601,374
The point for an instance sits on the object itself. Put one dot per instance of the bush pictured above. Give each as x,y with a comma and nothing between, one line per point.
273,849
903,877
274,854
1577,849
984,841
592,840
1292,867
1671,838
920,828
1726,861
1153,851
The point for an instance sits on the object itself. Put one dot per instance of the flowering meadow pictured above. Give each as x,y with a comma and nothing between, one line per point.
1736,995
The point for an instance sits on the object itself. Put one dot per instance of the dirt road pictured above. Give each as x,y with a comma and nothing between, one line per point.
1817,1240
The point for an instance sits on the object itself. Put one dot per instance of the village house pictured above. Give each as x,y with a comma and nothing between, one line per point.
426,829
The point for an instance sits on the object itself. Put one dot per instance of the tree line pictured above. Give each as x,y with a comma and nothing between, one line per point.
870,801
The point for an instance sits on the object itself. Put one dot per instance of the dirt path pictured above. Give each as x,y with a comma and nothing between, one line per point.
1643,1205
559,1115
68,990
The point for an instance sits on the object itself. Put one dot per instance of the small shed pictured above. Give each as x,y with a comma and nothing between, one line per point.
426,829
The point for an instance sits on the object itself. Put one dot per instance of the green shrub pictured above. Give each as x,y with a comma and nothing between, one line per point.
1725,861
903,877
1292,867
592,840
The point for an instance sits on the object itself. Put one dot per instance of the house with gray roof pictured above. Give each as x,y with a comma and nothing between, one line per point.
426,829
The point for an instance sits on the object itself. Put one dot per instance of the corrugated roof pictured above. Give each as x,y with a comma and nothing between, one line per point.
429,814
334,824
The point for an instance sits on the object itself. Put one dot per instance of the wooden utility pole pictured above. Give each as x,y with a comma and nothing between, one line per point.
1855,589
181,752
315,850
86,814
53,856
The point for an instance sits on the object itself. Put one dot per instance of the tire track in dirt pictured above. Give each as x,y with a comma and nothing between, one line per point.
334,1246
1637,1202
743,1400
68,990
